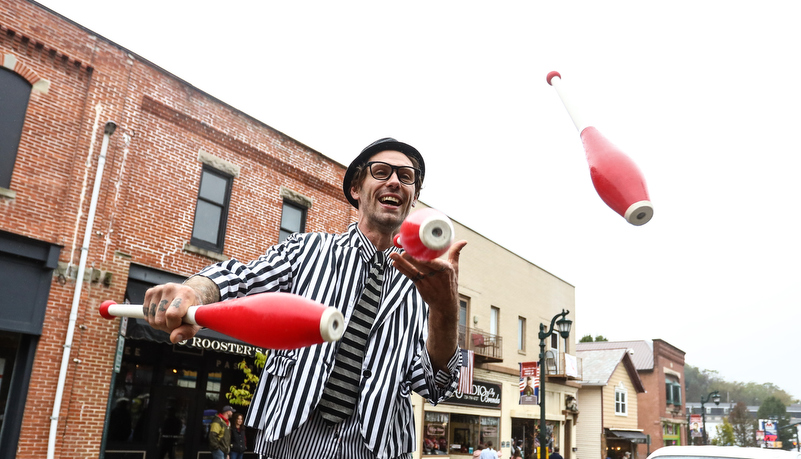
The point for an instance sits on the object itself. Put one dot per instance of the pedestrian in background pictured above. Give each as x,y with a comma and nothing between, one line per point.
238,440
220,433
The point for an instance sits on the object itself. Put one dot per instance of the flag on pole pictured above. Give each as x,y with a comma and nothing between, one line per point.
529,383
466,374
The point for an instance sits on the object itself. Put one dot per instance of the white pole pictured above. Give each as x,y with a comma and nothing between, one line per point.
555,80
76,299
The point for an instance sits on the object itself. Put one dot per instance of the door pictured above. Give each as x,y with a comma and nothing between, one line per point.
171,434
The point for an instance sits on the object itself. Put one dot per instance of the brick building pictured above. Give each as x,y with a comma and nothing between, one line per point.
169,161
660,366
178,160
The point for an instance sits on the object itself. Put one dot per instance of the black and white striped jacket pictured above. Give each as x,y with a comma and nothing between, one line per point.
332,270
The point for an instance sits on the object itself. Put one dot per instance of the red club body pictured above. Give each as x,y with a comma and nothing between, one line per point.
616,178
425,234
268,320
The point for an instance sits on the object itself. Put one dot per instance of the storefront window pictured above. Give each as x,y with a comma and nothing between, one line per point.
465,433
551,433
435,427
212,402
180,377
131,402
489,430
458,433
9,344
671,434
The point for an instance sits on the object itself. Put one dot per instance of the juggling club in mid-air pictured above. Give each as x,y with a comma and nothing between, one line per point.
268,320
616,178
425,234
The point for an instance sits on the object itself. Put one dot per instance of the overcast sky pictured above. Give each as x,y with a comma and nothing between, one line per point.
704,96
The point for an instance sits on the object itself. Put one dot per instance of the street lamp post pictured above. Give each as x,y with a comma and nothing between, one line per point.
715,397
563,326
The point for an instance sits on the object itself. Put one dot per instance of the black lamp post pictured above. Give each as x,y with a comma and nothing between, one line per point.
563,326
715,397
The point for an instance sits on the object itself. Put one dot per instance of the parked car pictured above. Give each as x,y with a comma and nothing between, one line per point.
721,452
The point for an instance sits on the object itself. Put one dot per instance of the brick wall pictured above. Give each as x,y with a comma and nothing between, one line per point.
667,359
146,204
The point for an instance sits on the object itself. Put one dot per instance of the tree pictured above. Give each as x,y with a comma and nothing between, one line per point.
242,395
698,383
743,425
774,408
724,434
589,339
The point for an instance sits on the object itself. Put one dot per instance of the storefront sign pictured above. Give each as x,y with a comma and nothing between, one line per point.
118,356
222,346
485,395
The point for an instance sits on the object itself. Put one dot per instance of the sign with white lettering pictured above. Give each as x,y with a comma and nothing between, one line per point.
485,395
222,346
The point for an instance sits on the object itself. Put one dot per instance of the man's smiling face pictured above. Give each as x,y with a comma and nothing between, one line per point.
384,204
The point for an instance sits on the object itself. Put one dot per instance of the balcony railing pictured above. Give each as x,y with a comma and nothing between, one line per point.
486,346
558,368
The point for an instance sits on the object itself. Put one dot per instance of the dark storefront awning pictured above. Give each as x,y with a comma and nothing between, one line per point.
205,339
141,278
633,436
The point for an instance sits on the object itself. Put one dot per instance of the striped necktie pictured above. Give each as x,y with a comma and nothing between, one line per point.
342,389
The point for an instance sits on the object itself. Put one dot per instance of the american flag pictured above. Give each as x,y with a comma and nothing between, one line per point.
466,374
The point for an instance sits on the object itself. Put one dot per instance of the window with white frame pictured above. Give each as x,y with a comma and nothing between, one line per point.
621,401
521,333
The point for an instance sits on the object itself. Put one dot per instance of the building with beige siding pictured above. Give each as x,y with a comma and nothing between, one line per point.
504,298
608,395
661,407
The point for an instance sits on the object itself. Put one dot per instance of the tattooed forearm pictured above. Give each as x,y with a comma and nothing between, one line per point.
206,290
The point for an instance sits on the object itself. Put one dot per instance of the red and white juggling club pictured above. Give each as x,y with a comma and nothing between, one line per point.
268,320
616,178
425,234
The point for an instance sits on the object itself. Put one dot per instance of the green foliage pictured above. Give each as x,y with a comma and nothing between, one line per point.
699,383
589,339
743,425
724,435
774,408
242,395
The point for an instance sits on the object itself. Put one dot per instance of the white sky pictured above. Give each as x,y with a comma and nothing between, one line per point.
703,95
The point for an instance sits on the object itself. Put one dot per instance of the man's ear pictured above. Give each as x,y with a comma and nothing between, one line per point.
354,192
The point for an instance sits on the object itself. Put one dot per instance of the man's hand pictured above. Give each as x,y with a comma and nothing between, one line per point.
438,283
165,305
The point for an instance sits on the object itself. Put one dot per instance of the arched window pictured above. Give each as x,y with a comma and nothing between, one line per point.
15,91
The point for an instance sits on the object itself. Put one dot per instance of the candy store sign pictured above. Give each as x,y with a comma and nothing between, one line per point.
485,395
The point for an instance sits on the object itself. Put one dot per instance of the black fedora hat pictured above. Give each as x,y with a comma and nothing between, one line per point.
387,143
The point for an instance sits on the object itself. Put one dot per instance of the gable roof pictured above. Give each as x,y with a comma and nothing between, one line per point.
643,357
599,365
